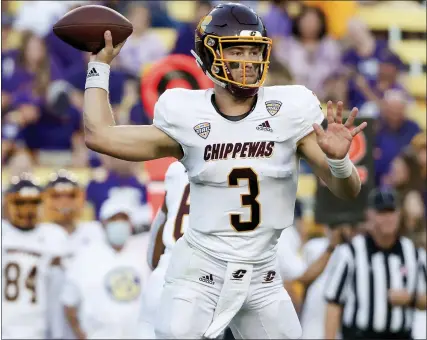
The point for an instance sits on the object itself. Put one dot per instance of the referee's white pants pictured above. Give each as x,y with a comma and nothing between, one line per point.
419,327
237,295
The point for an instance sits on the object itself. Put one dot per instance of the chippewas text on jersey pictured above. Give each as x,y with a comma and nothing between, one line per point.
223,151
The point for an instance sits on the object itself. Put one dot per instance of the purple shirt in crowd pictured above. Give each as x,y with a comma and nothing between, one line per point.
367,66
356,98
390,143
15,78
277,22
307,68
99,189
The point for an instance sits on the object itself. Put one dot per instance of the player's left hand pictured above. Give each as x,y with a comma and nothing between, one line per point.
336,140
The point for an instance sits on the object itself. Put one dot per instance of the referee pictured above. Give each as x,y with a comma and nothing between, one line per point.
363,272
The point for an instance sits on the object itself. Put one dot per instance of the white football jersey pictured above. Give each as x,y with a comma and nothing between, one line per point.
85,234
107,287
26,262
178,204
83,237
243,174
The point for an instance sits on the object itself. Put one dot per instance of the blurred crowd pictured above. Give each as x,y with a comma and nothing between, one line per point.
319,44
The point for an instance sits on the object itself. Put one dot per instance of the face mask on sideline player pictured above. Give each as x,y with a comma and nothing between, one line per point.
115,216
118,232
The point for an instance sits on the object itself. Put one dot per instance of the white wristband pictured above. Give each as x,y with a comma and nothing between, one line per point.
341,168
98,76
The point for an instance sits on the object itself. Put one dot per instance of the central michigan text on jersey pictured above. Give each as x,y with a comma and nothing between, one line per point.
243,180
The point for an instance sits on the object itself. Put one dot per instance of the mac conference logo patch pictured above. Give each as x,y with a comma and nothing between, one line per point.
273,106
203,129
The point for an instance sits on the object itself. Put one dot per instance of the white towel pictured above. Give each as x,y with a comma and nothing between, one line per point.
233,295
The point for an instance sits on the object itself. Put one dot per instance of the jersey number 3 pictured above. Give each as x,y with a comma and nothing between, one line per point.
249,200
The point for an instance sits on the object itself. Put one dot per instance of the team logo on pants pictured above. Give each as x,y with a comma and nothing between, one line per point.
203,129
238,274
269,276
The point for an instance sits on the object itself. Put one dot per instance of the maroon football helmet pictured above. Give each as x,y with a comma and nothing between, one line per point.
227,25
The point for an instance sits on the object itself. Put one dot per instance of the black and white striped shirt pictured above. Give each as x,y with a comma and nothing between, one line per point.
422,284
361,275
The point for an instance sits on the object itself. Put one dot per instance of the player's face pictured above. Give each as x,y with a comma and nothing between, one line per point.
245,71
23,212
387,222
64,204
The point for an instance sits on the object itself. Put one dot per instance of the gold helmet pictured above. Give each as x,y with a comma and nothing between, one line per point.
63,198
23,202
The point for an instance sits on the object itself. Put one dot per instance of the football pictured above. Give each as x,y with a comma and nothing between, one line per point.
84,27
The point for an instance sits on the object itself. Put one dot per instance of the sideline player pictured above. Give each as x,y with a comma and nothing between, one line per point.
63,202
169,225
31,254
240,143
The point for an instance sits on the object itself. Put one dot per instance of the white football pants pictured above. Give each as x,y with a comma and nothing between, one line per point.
202,296
151,298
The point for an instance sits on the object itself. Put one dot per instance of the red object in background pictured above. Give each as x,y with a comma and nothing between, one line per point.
174,71
156,169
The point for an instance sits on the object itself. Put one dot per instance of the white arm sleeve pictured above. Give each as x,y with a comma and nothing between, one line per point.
311,112
158,222
166,117
55,312
70,296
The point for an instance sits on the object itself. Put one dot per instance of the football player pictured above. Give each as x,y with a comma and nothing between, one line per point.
104,282
63,202
168,226
240,143
30,256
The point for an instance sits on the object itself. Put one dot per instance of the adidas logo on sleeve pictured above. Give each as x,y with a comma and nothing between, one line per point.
92,73
264,127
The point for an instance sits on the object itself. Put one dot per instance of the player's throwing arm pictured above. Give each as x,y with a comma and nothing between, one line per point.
127,142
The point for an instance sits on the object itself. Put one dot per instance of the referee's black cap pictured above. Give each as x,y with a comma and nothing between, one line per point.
383,200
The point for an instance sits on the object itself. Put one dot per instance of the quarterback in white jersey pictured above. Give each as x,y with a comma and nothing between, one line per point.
169,225
30,255
240,143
